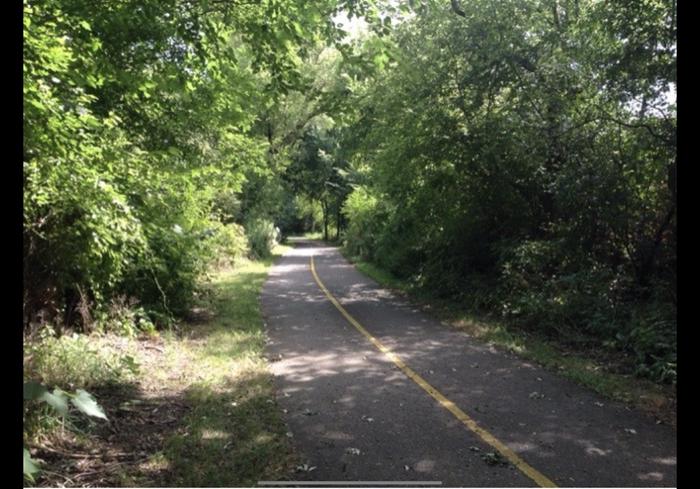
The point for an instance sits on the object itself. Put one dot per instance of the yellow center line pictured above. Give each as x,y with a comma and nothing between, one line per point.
487,437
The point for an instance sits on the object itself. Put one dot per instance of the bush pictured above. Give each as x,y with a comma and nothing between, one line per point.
577,298
124,318
652,338
545,288
364,223
230,244
164,282
262,237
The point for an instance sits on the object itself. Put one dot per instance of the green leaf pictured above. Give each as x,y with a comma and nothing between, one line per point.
58,400
33,390
298,29
37,104
131,364
29,467
86,403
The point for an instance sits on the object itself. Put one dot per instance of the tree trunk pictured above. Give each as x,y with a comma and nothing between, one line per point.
650,252
324,206
457,9
337,225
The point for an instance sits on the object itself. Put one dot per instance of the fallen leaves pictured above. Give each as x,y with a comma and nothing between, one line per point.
490,458
493,459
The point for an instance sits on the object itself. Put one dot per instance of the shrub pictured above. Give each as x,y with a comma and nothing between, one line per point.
364,220
229,244
652,338
262,237
124,317
164,281
545,288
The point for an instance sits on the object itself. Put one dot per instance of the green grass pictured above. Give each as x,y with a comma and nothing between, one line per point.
582,370
69,362
577,366
80,360
233,435
318,236
381,276
313,235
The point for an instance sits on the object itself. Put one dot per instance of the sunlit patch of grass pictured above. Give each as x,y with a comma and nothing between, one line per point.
155,462
202,392
313,235
233,434
381,276
79,360
68,362
378,274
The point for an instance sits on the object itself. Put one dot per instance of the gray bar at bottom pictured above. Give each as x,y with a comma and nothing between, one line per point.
349,483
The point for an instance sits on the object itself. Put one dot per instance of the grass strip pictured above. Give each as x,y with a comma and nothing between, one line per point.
233,434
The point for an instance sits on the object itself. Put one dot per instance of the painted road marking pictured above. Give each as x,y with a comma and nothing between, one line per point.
487,437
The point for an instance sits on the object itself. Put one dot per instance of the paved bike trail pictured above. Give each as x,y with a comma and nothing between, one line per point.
354,416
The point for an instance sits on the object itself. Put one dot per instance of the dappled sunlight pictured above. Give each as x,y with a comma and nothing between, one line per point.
284,269
208,434
597,451
338,435
360,293
522,446
202,412
307,248
263,438
510,163
301,367
158,437
154,466
424,466
651,477
664,460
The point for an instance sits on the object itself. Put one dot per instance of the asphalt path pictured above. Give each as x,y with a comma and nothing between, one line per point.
353,415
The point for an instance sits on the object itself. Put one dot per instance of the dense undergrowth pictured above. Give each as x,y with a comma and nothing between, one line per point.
534,287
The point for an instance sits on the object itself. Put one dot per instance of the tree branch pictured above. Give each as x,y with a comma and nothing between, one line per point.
457,9
639,125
